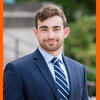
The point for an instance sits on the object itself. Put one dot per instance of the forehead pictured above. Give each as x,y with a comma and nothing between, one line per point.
51,22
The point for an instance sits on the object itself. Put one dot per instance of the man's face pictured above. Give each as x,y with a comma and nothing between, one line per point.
51,33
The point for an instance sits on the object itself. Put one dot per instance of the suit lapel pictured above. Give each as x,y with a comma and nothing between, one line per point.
71,75
42,66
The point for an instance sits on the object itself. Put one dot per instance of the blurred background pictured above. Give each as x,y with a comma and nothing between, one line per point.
19,39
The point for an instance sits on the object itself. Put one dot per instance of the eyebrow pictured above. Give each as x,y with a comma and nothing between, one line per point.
57,27
43,27
47,27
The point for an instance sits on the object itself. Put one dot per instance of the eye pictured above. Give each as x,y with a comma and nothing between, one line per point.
57,29
44,29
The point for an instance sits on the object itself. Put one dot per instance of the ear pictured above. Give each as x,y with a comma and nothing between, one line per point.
35,31
66,32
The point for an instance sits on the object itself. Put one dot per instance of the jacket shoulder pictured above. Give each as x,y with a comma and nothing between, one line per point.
21,61
73,62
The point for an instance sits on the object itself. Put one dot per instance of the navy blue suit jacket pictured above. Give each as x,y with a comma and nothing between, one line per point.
29,78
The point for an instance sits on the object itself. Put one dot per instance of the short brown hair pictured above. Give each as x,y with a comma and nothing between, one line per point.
48,11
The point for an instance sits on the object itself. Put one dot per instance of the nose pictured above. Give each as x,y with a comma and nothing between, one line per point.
51,35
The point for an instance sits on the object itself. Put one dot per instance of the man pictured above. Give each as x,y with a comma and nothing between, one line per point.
46,74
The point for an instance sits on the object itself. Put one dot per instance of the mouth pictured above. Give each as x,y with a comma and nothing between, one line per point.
51,41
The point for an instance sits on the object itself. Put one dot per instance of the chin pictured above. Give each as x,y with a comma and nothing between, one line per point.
52,48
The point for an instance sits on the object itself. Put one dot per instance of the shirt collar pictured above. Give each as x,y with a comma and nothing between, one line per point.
48,57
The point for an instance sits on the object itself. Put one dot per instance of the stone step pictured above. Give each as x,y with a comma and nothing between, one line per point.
18,42
27,6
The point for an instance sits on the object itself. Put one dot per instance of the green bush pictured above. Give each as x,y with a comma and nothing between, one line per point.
80,44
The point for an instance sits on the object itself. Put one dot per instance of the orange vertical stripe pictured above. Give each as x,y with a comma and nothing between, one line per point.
1,46
98,49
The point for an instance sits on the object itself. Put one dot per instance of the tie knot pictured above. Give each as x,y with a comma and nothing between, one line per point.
55,60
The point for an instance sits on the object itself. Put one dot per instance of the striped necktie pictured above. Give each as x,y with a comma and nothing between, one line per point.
60,80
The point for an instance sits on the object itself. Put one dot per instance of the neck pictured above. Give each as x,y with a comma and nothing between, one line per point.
54,53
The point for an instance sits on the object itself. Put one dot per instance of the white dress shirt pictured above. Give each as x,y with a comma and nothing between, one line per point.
48,57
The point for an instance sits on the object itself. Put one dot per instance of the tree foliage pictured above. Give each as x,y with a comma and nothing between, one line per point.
80,45
70,7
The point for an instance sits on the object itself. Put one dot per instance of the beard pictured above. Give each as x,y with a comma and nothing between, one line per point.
51,47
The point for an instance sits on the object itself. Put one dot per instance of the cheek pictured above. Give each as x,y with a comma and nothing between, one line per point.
61,35
42,36
64,35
